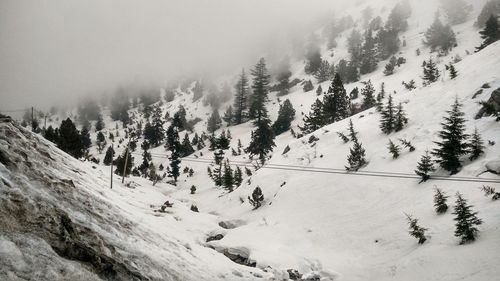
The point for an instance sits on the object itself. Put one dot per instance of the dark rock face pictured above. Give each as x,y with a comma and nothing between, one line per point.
493,104
215,237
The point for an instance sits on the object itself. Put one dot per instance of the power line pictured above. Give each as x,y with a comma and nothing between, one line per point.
335,170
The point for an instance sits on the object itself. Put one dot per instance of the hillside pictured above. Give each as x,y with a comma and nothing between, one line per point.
316,219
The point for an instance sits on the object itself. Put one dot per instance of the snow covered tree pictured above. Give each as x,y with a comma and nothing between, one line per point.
356,158
324,72
257,198
354,45
286,114
240,99
100,141
368,59
453,71
431,72
228,178
453,140
108,158
335,102
388,117
407,144
389,67
415,230
99,124
238,177
490,33
440,199
394,149
401,120
314,120
456,11
387,43
214,121
466,221
228,116
175,165
260,89
476,146
193,189
424,167
368,95
308,86
262,139
440,37
313,56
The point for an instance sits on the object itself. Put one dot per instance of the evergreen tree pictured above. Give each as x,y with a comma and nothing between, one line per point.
398,17
368,97
175,162
415,230
313,55
146,158
453,71
335,102
440,199
193,189
431,72
352,133
283,76
108,158
440,37
262,139
356,158
100,141
70,140
260,87
99,124
240,99
394,149
453,140
257,198
120,163
286,114
492,7
51,134
387,43
238,177
424,167
324,72
319,90
186,148
490,33
154,132
407,144
389,67
179,121
86,141
380,97
369,55
354,46
476,146
314,120
214,122
401,119
466,220
197,91
228,116
228,179
388,117
308,86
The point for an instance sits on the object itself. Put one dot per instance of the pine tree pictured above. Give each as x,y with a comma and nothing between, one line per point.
407,144
369,55
415,230
492,7
440,199
146,158
175,163
424,167
100,141
286,114
314,120
356,158
70,140
390,66
398,17
476,146
99,124
154,132
388,117
186,148
262,139
260,87
453,71
228,116
380,97
214,122
466,220
108,158
453,140
257,198
352,133
490,33
197,91
343,137
120,163
324,72
335,102
394,149
86,141
238,177
401,120
240,100
193,189
228,179
368,97
440,37
431,72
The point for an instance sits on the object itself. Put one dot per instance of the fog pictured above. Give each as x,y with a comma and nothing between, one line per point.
55,50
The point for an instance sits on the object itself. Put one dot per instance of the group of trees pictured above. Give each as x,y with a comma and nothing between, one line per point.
69,139
440,37
393,118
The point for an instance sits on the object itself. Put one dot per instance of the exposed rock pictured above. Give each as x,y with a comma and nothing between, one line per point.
294,274
313,138
239,256
480,91
215,237
490,107
231,224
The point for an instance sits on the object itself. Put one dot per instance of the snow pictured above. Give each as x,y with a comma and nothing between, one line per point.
340,226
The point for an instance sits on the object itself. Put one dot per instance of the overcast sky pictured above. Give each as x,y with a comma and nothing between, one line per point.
51,50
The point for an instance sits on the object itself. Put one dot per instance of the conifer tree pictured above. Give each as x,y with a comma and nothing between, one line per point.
394,149
175,162
343,137
120,163
369,55
415,230
356,158
99,124
314,120
228,116
388,117
319,90
228,179
214,122
100,141
193,189
431,72
453,140
368,95
490,33
154,132
257,198
238,177
70,140
424,167
492,7
335,102
401,120
466,221
476,146
286,114
146,158
398,17
453,71
86,141
186,148
324,72
407,144
108,158
352,133
262,139
260,89
440,199
440,37
240,100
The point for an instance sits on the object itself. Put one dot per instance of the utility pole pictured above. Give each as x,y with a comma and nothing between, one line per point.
126,158
112,153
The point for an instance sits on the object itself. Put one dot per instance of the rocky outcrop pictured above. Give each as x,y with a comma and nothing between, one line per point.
490,107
